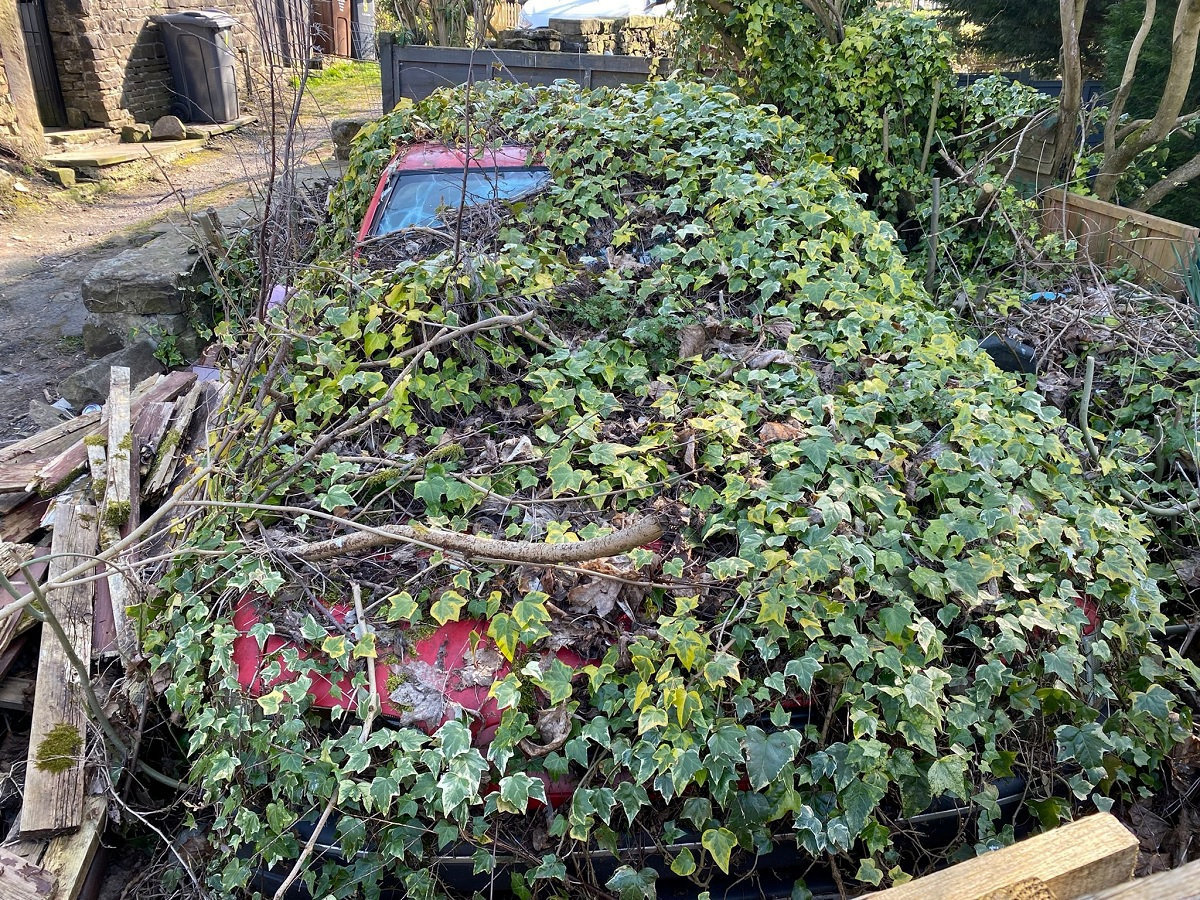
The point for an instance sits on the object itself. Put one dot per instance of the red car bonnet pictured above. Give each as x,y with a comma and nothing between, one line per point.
439,660
429,157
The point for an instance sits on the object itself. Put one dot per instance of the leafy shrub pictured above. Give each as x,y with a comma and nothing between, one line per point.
862,512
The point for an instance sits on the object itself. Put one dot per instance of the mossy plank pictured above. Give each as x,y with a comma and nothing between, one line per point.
53,801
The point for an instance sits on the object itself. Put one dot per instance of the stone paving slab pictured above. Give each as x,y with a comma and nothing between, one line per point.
114,155
69,136
221,128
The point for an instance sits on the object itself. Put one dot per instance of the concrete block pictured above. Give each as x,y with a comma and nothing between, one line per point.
343,131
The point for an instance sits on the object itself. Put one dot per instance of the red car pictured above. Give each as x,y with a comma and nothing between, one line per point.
423,179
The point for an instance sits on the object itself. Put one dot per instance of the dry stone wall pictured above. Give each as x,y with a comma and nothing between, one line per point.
113,64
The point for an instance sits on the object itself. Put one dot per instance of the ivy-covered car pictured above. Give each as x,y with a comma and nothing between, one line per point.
693,323
424,181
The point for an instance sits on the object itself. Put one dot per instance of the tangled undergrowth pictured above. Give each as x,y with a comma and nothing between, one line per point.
888,578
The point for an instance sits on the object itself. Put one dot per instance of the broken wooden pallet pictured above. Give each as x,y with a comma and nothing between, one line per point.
63,468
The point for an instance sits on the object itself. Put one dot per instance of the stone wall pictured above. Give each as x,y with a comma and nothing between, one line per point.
9,127
20,128
112,62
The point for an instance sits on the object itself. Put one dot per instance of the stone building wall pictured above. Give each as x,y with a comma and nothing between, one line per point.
111,59
20,129
9,127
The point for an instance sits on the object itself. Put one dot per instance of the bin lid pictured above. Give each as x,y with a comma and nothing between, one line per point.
215,19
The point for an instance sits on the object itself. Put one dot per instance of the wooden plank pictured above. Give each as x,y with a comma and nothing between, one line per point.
70,857
11,626
52,438
22,880
1084,856
16,694
104,628
1177,884
171,449
9,655
120,505
115,505
24,521
54,771
149,430
97,466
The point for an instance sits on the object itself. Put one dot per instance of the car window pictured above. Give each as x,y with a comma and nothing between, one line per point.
414,198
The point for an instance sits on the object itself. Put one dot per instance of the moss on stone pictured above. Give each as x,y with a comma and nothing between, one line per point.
59,749
94,440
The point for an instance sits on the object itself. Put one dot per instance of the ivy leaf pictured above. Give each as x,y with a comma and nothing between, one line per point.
402,608
505,631
506,691
684,863
448,607
720,843
517,790
530,612
859,800
270,702
651,717
633,884
312,630
336,496
335,647
948,776
868,873
767,754
364,647
717,670
803,670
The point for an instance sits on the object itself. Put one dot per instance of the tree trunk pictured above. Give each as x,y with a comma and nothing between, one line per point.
1158,192
1179,77
1070,13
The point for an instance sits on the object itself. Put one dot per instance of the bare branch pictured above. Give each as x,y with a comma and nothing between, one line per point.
645,531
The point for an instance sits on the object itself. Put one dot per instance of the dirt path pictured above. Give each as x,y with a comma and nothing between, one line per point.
46,252
50,241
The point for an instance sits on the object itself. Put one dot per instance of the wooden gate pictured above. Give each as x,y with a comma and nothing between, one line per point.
42,69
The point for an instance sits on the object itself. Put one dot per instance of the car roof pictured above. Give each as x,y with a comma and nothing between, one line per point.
432,156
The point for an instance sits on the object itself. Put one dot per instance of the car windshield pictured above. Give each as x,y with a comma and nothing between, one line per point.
414,198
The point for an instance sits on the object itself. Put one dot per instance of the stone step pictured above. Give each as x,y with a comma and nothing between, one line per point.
103,157
71,137
220,128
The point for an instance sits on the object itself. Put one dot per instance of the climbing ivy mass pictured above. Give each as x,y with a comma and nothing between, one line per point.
882,566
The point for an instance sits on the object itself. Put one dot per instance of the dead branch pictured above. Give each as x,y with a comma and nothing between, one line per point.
645,531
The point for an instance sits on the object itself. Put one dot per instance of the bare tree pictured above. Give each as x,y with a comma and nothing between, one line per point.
1125,141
